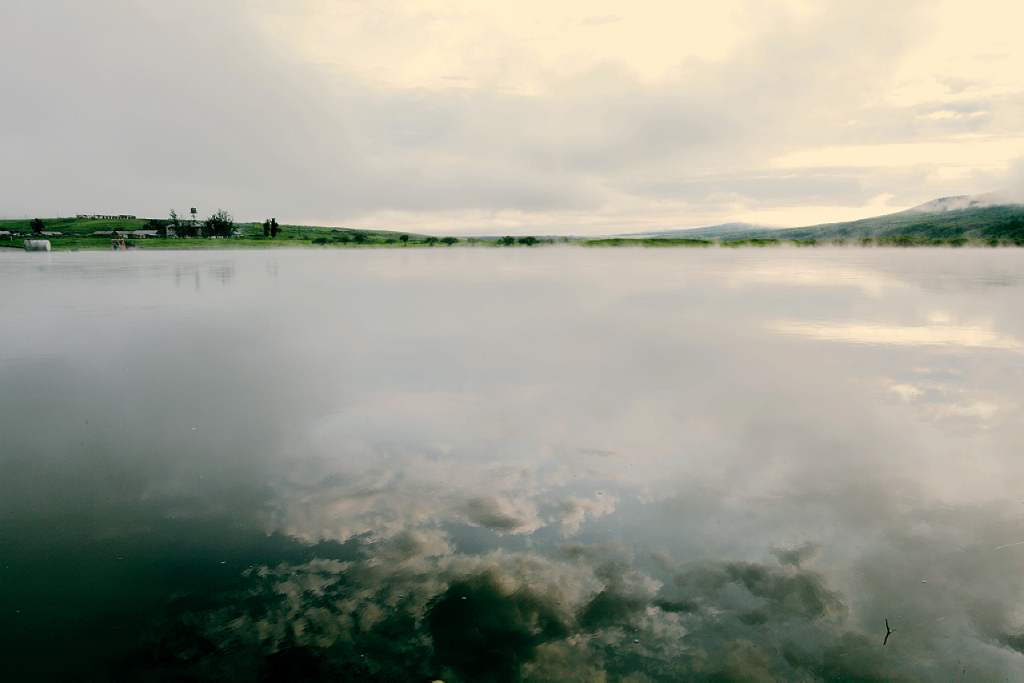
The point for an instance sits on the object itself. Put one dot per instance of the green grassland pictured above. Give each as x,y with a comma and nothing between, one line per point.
984,226
74,226
981,223
77,234
976,225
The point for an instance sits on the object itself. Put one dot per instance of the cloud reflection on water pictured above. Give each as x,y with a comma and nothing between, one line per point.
622,470
954,336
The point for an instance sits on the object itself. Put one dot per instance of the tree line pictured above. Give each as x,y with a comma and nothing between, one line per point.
220,224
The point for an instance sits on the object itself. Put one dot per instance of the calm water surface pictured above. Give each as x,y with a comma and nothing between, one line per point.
521,464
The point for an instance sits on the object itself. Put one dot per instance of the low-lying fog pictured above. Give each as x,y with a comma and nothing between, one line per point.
493,465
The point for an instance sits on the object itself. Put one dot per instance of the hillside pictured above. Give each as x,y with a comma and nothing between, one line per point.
1001,222
709,232
946,218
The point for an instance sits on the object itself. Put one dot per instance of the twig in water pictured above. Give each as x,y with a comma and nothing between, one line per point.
1009,545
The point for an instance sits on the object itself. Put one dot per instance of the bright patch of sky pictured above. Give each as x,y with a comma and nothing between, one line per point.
524,47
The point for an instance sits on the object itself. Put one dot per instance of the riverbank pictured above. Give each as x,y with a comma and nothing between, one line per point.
59,244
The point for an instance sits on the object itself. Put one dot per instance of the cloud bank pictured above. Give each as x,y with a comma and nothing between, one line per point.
560,118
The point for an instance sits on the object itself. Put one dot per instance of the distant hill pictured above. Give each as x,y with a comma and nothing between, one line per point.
972,217
962,201
712,231
979,222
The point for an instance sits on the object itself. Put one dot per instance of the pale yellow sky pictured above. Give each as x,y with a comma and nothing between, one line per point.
524,47
535,116
957,62
956,49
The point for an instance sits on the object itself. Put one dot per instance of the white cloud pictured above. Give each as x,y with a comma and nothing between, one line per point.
575,510
971,50
968,151
543,117
522,47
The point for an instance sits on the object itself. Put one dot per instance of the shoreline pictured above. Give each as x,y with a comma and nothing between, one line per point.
72,244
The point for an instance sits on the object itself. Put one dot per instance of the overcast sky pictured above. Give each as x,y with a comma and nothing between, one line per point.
533,117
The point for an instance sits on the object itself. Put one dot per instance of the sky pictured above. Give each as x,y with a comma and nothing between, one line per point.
555,117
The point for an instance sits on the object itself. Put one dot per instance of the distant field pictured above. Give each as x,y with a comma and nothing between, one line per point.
991,226
648,242
76,233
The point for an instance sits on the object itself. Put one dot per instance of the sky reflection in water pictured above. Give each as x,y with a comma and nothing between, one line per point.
467,464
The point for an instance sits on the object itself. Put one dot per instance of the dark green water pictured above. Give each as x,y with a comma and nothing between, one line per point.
523,464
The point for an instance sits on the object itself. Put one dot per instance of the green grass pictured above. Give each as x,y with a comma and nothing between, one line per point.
76,235
645,242
71,243
999,222
74,226
992,226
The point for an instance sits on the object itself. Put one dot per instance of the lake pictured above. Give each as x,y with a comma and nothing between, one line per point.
470,464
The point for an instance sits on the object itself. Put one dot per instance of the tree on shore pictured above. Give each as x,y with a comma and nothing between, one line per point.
37,225
273,227
450,240
266,228
220,224
183,226
528,241
405,239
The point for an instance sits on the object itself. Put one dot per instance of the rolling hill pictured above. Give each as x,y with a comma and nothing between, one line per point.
946,218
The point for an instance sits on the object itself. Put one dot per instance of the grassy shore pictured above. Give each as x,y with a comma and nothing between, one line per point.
78,235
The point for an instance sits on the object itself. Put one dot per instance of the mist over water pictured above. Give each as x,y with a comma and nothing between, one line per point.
521,464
